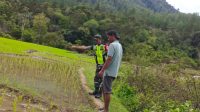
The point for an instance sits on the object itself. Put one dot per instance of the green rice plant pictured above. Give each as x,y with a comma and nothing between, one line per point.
33,110
53,79
14,104
2,95
20,98
1,100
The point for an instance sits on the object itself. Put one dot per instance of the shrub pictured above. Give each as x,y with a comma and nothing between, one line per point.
5,35
128,97
54,39
28,35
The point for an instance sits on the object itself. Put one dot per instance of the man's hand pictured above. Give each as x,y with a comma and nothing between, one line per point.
101,73
75,47
105,66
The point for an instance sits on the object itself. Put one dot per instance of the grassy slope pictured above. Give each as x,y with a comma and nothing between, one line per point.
12,46
8,46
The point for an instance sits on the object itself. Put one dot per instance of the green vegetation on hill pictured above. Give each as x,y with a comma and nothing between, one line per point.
117,5
151,39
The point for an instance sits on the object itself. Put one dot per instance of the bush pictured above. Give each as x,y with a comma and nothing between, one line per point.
128,97
28,35
172,106
54,40
142,35
186,61
16,33
5,35
159,88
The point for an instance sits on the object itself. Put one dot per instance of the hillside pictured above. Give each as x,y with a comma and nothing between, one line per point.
154,5
157,5
161,48
42,78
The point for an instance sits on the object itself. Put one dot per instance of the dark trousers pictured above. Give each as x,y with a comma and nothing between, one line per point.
97,80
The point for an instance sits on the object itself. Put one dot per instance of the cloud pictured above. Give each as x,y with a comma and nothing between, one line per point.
186,6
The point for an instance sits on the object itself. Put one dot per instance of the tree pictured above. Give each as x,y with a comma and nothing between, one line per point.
40,23
23,20
196,39
53,39
92,25
196,42
5,8
28,35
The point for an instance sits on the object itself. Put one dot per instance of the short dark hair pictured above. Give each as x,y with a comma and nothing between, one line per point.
113,33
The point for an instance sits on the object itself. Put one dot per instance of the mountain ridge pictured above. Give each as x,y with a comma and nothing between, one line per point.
116,5
154,5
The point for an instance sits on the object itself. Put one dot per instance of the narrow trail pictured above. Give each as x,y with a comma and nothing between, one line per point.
97,103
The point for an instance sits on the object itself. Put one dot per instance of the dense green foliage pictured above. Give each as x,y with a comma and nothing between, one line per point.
159,88
159,36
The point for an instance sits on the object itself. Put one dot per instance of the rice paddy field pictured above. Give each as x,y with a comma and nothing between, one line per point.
37,78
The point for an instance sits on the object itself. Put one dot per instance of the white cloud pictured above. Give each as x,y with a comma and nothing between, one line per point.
186,6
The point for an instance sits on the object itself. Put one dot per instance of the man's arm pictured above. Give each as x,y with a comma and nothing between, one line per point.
105,66
108,61
81,48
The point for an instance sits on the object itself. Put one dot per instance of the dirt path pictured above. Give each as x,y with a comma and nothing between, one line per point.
97,103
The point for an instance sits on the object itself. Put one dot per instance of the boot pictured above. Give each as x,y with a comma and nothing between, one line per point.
93,93
98,95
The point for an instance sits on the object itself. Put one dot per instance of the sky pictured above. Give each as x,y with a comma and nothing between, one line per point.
186,6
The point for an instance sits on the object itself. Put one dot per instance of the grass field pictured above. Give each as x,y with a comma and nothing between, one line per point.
49,73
